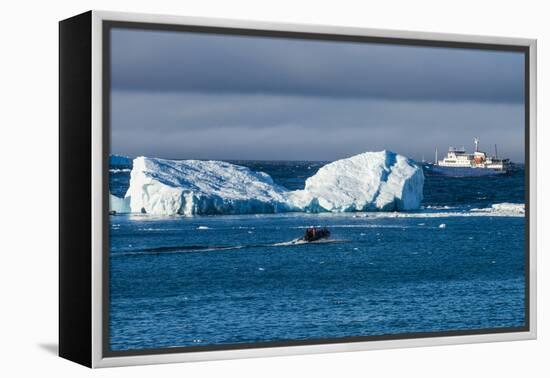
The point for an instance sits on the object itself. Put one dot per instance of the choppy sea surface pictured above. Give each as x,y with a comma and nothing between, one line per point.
457,264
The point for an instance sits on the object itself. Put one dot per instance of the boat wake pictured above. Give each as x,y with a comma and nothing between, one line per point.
300,241
202,248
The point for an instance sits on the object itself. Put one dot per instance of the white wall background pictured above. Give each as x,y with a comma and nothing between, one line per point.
28,185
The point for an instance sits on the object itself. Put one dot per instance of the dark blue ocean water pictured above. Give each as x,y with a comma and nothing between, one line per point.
177,281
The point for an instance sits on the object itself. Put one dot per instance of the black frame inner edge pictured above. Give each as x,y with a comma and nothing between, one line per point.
108,25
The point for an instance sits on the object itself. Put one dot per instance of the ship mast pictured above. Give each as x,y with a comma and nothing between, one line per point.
476,143
496,154
435,162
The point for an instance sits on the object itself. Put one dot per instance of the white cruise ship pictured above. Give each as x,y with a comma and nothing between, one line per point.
460,163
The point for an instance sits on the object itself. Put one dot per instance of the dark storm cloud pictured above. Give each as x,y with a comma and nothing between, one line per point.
186,95
199,126
193,62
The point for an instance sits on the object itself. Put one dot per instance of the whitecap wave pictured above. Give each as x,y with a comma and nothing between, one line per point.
359,225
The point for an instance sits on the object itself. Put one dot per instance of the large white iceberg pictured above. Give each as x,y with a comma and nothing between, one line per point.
370,181
190,187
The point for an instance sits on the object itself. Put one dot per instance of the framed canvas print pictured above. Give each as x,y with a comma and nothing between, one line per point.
235,189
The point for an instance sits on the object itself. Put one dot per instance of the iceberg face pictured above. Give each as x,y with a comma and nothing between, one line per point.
190,187
119,205
371,181
367,182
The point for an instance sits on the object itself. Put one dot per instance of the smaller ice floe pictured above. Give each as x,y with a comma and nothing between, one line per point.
120,170
495,210
203,228
503,209
442,225
119,205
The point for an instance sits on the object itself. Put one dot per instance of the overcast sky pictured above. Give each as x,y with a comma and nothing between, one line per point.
206,96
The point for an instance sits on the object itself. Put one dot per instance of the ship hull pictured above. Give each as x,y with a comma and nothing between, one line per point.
461,171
